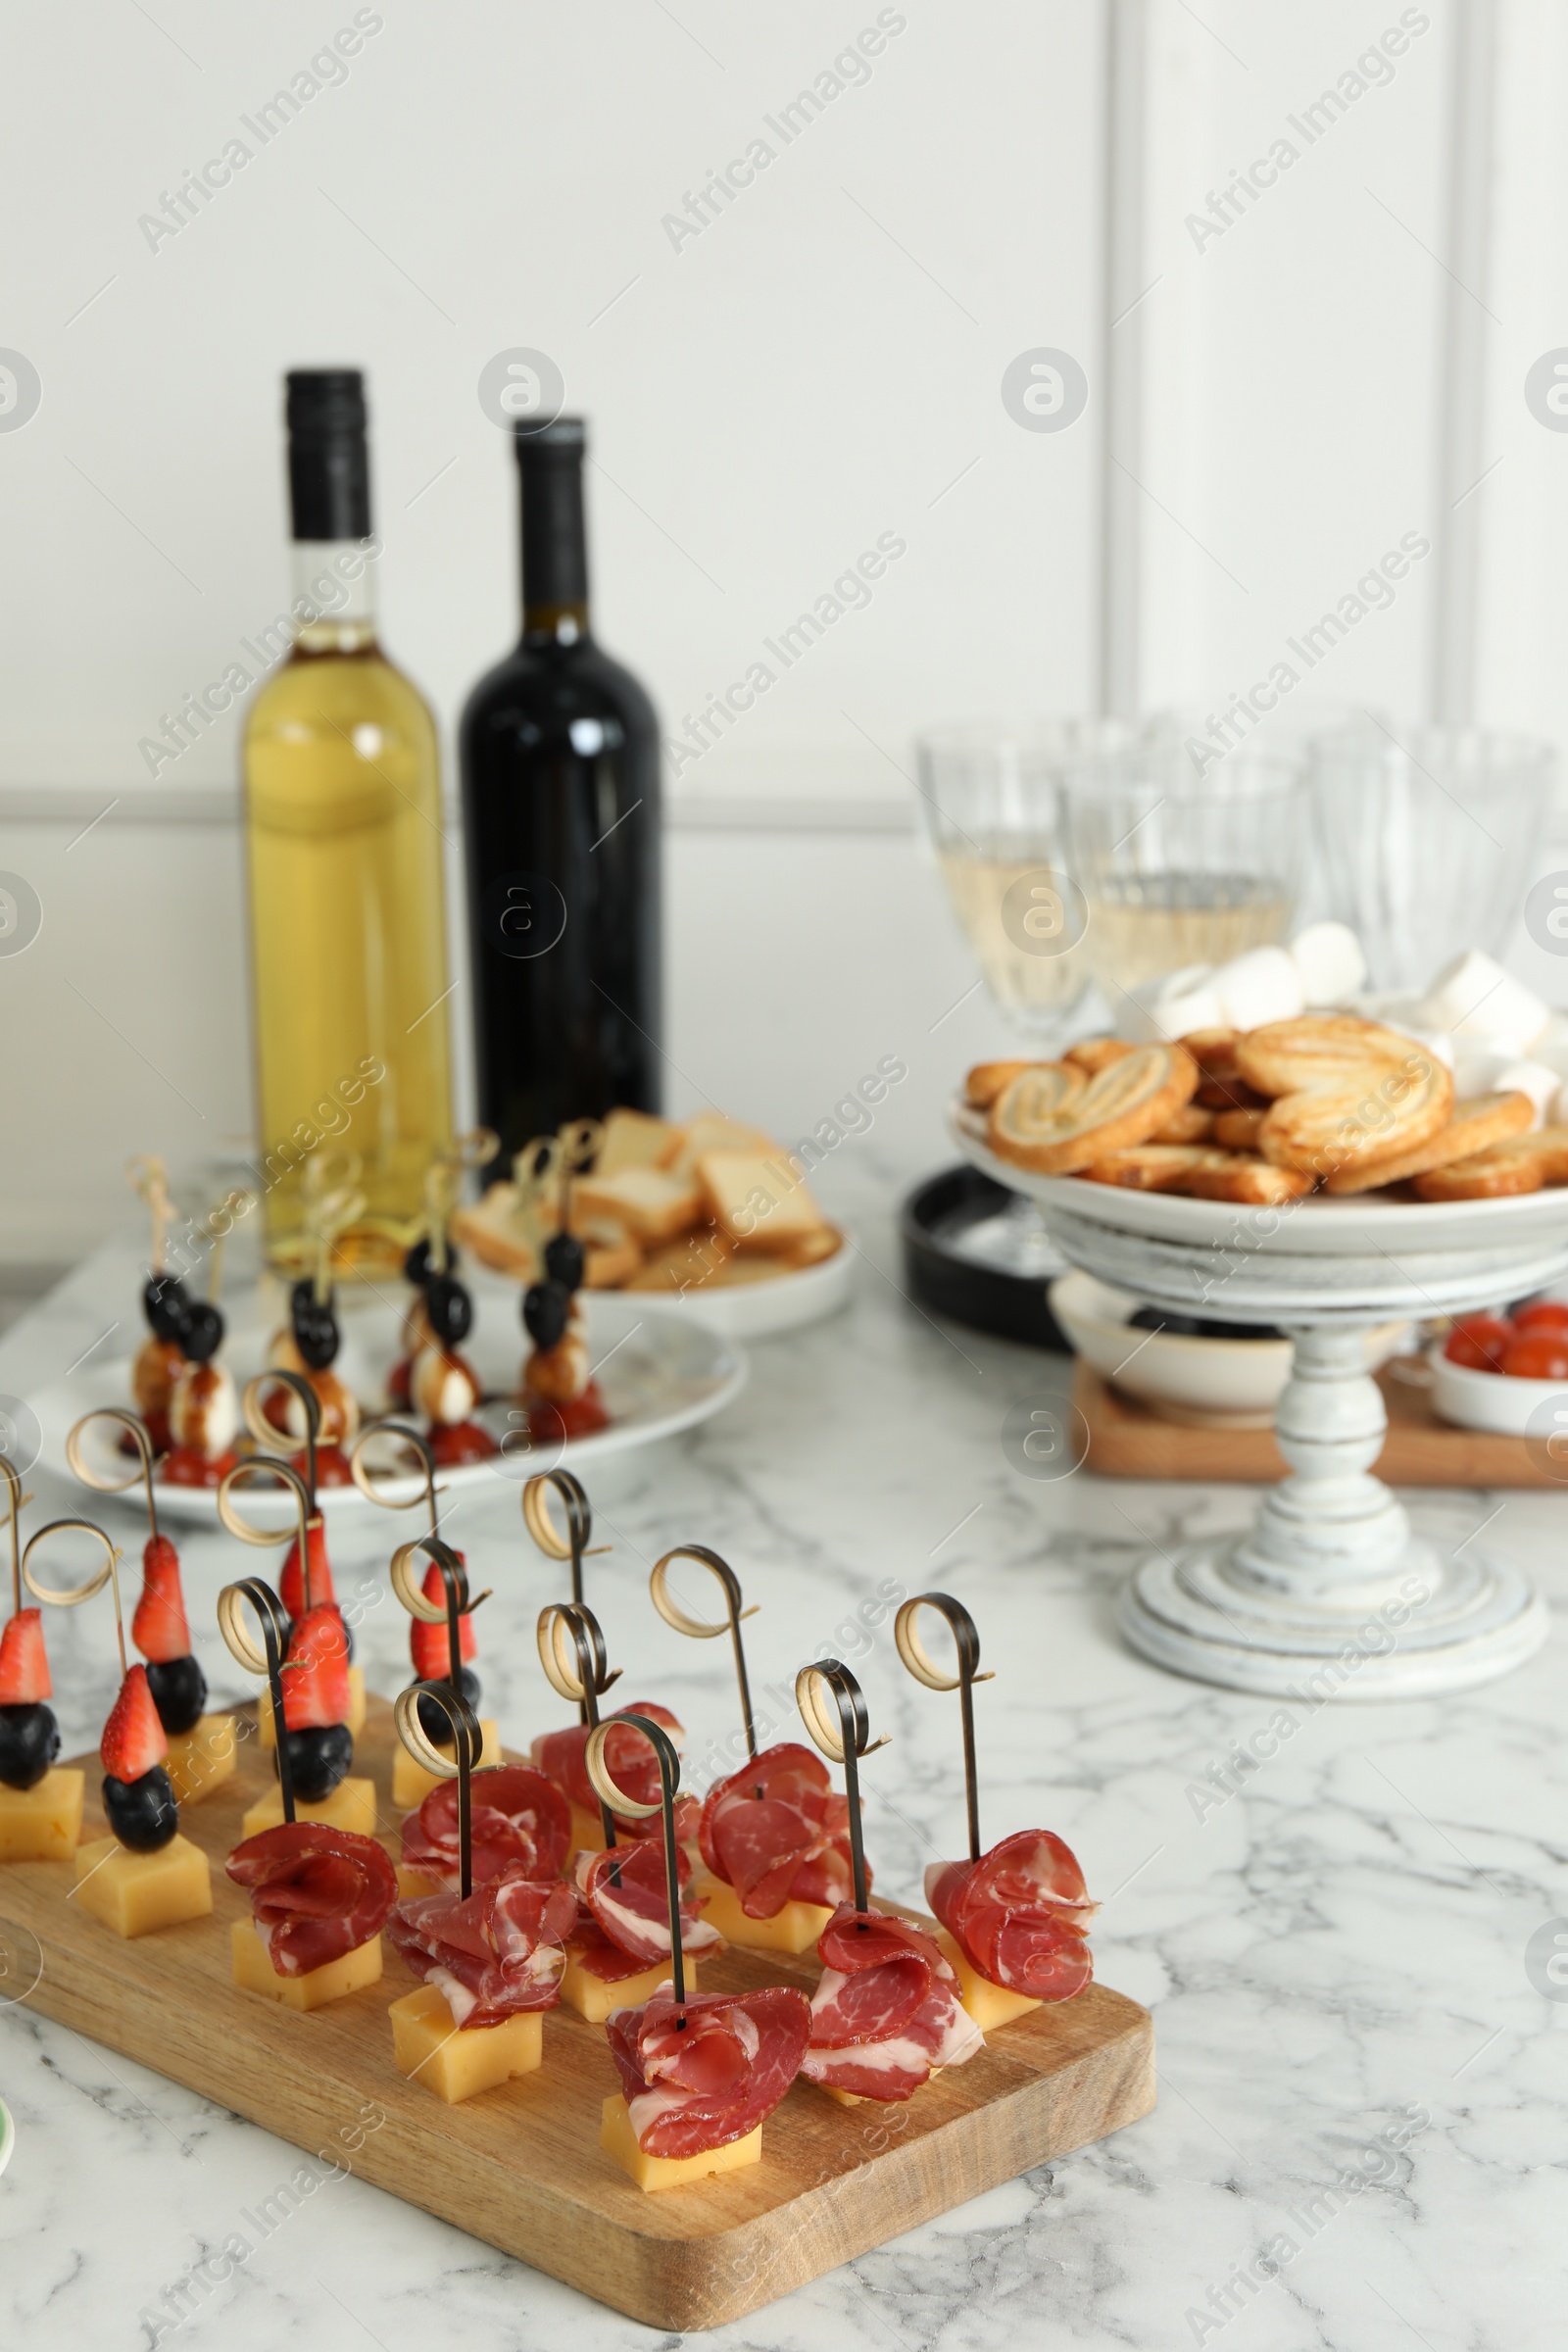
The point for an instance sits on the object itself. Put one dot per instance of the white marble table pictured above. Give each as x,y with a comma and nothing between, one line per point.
1360,2088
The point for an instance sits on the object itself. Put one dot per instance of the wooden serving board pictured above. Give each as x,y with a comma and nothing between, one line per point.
521,2166
1128,1438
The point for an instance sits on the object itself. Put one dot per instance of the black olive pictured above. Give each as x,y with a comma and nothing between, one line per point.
203,1332
29,1742
450,1310
434,1721
165,1306
318,1759
179,1694
545,1309
142,1813
564,1260
418,1268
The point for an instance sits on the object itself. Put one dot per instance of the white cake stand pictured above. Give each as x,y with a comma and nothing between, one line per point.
1328,1593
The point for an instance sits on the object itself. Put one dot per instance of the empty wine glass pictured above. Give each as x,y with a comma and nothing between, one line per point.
1427,839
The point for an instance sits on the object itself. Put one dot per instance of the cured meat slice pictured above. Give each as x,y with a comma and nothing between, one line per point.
627,1894
709,2073
519,1821
885,2014
315,1892
779,1832
1022,1914
629,1760
495,1954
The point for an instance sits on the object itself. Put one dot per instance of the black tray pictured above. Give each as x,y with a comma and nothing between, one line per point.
966,1255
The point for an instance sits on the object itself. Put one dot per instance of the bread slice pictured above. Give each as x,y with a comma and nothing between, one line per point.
1040,1124
710,1131
1475,1127
493,1229
762,1202
633,1140
653,1203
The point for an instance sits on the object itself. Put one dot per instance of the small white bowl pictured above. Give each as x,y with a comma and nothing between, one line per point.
1226,1382
1495,1400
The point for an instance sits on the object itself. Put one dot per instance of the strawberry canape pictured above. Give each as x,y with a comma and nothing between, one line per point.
431,1650
203,1409
560,1395
29,1737
442,1384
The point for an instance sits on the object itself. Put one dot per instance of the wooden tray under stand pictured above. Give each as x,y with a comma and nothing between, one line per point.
521,2166
1129,1439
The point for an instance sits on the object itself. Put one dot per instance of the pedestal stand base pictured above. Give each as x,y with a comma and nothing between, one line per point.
1435,1624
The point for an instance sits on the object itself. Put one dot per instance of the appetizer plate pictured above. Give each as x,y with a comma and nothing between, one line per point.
522,2167
1500,1401
763,1308
659,1372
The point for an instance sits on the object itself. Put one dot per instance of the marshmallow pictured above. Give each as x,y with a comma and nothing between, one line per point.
1532,1078
1473,997
1551,1045
1171,1006
1263,985
1329,959
1477,1066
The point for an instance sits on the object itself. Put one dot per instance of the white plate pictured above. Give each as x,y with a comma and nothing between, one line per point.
1203,1374
761,1310
1318,1227
1497,1400
659,1372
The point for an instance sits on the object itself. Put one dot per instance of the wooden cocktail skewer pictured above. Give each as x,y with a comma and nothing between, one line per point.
572,1652
373,1487
150,1178
73,1598
699,1628
272,1465
16,1503
266,1661
841,1736
966,1641
574,1544
615,1800
253,1411
94,1475
442,1765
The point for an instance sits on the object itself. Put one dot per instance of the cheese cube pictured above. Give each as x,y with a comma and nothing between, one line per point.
587,1835
355,1718
595,1999
794,1929
413,1882
457,2061
254,1971
619,2141
201,1759
43,1823
136,1894
351,1807
990,2005
411,1784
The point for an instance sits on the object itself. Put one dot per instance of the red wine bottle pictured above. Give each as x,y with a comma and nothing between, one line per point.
560,760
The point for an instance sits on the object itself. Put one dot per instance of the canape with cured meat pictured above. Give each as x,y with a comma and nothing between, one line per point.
706,2073
623,1923
885,2014
777,1832
1019,1915
520,1823
317,1893
494,1954
631,1763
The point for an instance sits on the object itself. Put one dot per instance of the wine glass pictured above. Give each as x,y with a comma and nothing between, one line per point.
1179,867
991,795
1427,839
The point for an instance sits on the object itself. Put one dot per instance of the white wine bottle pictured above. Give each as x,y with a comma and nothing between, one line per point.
343,839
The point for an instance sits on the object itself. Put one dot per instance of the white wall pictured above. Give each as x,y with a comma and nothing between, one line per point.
820,365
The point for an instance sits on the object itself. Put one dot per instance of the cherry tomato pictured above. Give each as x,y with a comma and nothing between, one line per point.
1538,1355
1543,1315
1479,1343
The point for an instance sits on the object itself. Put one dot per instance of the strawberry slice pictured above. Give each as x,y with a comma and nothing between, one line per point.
430,1646
291,1583
23,1664
316,1674
159,1627
133,1740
